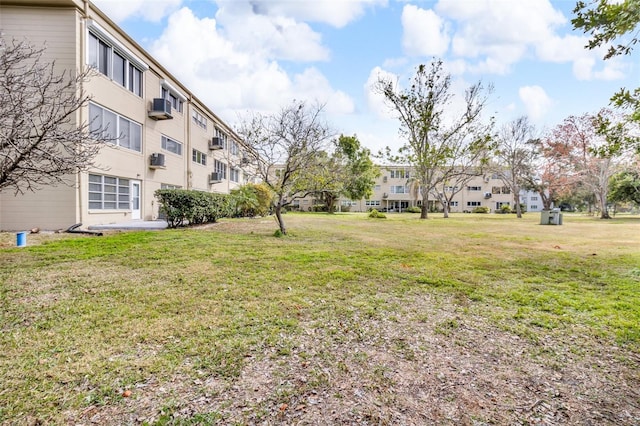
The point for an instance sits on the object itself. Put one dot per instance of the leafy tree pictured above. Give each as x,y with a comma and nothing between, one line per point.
591,152
515,157
41,140
284,149
252,200
625,187
612,24
434,134
348,172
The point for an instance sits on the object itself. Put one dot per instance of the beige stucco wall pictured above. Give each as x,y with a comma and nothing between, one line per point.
49,207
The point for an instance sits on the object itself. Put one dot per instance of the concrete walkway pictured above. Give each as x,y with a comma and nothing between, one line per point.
133,225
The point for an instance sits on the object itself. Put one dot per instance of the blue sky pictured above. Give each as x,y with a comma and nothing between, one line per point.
258,55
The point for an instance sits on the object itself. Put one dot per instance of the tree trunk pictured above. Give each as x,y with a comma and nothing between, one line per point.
604,211
516,198
330,202
445,208
424,211
280,220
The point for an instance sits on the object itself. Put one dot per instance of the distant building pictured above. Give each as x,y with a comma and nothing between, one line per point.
395,191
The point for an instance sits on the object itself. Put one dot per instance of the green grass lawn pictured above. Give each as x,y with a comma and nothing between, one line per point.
228,324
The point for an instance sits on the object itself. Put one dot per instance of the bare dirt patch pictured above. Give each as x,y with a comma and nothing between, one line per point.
430,361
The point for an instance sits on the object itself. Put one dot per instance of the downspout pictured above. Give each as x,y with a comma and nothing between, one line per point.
83,50
187,154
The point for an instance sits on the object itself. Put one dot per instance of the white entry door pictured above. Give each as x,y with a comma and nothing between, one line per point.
135,199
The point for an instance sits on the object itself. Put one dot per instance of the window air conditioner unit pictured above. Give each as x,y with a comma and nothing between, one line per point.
244,161
216,143
160,109
215,178
487,195
156,161
385,195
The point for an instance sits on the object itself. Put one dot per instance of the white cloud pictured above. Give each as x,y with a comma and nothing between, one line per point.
279,37
498,35
424,32
149,10
232,78
375,100
536,101
332,12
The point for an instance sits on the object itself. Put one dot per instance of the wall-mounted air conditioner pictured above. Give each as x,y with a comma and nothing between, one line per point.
160,109
215,178
216,143
156,161
487,195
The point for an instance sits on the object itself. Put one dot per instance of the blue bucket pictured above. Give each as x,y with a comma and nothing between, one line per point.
21,239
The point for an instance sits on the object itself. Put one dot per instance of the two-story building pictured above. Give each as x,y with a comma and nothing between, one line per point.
164,135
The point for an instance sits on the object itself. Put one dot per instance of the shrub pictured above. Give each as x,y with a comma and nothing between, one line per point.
376,214
252,200
413,209
481,209
182,206
504,209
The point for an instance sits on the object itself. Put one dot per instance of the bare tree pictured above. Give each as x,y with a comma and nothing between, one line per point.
285,147
434,141
41,141
515,157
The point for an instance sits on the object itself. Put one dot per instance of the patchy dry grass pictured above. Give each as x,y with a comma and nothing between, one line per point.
477,319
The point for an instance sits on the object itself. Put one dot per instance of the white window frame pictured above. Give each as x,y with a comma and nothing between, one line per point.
131,62
198,157
117,135
220,168
170,93
120,196
199,119
167,142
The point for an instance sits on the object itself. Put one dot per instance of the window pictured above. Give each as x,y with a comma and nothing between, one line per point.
534,207
120,130
234,175
453,204
474,203
135,80
199,157
108,193
534,198
506,190
199,119
349,203
234,148
377,188
223,137
176,101
114,63
372,203
169,186
474,188
399,174
495,190
450,189
399,189
221,168
171,145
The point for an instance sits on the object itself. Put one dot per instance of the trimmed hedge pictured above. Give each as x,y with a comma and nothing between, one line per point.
182,207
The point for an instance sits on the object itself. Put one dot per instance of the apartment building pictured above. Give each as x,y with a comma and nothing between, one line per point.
396,190
165,137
